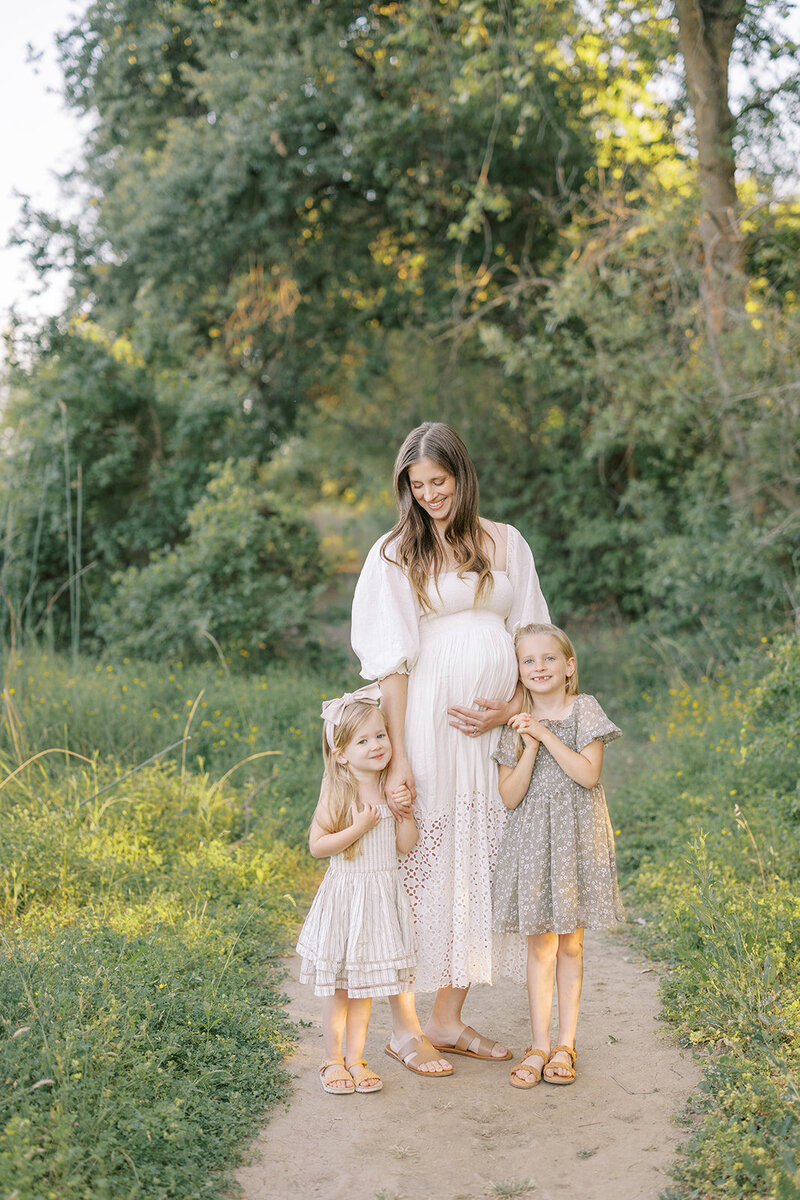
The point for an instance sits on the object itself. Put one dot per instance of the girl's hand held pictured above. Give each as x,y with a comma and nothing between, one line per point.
401,800
399,776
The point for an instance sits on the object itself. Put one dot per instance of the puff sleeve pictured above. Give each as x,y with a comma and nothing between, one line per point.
529,604
592,724
504,754
385,624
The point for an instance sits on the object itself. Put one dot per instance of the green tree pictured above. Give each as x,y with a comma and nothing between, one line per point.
273,188
288,201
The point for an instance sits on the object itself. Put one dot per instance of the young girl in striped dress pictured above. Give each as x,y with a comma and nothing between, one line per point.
358,938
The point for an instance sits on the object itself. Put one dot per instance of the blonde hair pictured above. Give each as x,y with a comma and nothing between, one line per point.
567,649
340,789
418,548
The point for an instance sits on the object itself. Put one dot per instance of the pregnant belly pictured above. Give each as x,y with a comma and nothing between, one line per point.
461,658
456,670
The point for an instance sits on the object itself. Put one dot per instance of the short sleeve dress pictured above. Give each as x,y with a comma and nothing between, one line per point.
452,655
359,932
556,869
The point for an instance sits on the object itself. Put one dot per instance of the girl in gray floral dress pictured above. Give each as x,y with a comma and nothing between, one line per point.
556,871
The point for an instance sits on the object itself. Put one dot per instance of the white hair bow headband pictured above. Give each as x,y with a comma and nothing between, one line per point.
333,710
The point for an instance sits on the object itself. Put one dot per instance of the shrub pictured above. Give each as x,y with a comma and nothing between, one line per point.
247,575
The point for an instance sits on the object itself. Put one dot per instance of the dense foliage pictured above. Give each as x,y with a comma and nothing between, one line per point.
310,226
249,569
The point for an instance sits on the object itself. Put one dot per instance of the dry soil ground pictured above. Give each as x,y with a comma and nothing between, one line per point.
610,1136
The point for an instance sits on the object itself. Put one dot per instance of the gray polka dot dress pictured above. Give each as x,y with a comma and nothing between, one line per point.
556,869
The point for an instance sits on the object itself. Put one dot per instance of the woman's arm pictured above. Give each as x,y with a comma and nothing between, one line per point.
514,780
394,696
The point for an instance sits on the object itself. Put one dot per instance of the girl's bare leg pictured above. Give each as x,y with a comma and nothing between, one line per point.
405,1024
542,949
334,1019
569,981
358,1012
446,1024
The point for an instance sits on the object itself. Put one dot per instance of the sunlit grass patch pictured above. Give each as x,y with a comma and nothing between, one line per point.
142,1029
125,712
710,860
134,1064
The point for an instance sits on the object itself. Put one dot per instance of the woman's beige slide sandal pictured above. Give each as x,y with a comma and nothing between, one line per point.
414,1053
465,1039
363,1077
331,1072
562,1066
516,1079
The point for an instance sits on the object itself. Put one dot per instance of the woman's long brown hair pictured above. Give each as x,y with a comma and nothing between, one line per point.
417,546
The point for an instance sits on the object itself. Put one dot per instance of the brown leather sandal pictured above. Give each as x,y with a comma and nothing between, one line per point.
562,1066
517,1081
465,1039
414,1053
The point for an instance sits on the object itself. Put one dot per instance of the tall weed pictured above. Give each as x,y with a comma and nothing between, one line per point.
125,712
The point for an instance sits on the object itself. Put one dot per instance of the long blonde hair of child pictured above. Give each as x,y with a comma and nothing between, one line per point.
567,649
339,787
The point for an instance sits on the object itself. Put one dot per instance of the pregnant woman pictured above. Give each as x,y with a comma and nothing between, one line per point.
433,614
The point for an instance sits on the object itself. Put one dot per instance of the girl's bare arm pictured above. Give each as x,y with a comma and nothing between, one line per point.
322,842
584,766
407,834
514,780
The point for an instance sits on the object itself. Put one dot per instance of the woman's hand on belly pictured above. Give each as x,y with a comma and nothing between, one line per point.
492,713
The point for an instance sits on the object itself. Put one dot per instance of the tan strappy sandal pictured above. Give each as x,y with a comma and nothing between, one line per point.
360,1073
466,1039
517,1081
331,1071
562,1066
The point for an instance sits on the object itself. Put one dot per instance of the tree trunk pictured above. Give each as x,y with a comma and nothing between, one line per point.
706,32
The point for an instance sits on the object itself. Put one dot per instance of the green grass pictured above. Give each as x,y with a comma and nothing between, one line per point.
142,1028
141,1023
709,858
116,711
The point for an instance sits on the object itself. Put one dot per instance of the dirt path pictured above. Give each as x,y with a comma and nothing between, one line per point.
610,1136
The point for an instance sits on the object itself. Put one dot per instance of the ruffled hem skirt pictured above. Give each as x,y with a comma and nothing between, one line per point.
359,935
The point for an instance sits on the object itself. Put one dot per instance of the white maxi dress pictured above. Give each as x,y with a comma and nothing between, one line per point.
452,655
